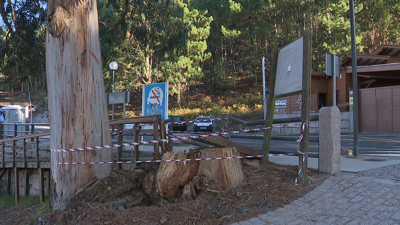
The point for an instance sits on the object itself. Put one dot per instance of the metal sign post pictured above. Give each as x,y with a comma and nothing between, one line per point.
264,88
354,72
332,69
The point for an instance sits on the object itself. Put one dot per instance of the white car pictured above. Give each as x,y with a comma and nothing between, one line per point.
203,123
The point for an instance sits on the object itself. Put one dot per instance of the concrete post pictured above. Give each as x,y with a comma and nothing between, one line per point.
329,140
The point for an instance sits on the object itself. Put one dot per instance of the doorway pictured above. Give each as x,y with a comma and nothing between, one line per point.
322,100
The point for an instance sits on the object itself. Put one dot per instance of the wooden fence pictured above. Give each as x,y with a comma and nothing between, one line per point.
32,151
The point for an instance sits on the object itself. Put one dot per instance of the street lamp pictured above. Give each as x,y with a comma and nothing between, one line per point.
113,67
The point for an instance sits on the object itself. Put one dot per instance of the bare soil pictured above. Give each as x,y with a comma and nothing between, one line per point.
266,188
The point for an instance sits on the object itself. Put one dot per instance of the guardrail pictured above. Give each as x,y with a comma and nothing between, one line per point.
275,121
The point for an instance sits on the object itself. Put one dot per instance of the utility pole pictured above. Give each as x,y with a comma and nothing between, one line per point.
355,79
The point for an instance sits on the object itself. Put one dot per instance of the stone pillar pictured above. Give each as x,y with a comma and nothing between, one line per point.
329,140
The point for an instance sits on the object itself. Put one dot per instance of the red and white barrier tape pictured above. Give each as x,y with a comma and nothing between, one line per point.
136,127
301,168
166,140
226,125
179,160
192,121
302,133
186,132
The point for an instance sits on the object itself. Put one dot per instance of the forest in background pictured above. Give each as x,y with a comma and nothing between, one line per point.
211,43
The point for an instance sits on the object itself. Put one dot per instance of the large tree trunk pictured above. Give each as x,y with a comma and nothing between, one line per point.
77,103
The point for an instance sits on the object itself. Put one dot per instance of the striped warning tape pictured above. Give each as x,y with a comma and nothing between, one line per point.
301,168
178,160
171,139
137,126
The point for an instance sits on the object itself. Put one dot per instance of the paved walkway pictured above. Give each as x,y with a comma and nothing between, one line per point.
366,197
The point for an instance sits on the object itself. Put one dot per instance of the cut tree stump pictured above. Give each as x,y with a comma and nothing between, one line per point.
173,176
184,179
222,174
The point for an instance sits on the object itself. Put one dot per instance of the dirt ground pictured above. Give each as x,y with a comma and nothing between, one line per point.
266,187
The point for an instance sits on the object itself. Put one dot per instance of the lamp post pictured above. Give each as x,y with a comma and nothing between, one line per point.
113,67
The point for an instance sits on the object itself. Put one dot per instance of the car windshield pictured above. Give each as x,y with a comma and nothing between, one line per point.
177,118
203,118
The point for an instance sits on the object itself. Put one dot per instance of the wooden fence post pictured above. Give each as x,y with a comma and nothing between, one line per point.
305,110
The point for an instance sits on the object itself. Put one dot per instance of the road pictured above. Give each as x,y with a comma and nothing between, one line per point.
369,143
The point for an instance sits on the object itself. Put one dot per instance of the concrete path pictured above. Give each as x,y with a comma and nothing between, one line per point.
366,197
348,164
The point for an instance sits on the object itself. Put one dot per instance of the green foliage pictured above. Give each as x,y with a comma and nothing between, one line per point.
250,106
338,27
180,66
22,43
195,41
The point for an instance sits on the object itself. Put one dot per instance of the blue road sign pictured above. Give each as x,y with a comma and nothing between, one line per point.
155,99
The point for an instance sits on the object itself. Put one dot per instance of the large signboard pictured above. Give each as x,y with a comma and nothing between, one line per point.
155,99
293,104
289,72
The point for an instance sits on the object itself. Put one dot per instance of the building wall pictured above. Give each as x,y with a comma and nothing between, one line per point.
380,109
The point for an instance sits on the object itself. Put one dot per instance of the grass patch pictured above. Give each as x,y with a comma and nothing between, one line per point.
252,106
8,200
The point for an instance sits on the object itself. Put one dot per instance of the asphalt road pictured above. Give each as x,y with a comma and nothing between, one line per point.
369,143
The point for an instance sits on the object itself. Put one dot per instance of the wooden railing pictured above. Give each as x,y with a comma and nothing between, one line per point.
32,151
21,153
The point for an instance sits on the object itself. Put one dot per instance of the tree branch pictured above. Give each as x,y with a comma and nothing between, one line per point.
4,16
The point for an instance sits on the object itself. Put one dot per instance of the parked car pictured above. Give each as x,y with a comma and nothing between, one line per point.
176,127
203,123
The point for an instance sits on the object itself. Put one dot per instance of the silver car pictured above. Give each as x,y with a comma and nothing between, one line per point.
203,123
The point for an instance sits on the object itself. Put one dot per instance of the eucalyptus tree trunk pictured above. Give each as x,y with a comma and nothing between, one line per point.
77,102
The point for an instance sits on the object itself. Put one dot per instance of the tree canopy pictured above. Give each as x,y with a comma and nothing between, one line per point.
181,41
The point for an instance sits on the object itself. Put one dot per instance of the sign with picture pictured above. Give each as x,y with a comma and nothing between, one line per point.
155,99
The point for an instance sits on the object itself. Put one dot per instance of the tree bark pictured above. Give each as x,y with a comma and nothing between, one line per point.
76,95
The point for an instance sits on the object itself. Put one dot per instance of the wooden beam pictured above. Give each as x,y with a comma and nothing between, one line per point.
2,104
9,181
3,149
13,153
25,137
375,68
136,147
119,141
156,137
48,181
306,102
3,173
24,151
41,184
141,119
222,142
16,181
26,183
269,118
37,151
163,135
